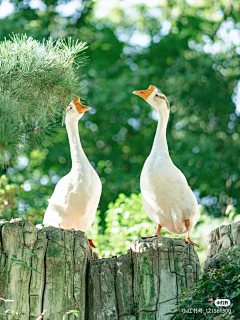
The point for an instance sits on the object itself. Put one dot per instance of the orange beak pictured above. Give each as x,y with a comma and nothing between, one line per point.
145,93
80,107
85,108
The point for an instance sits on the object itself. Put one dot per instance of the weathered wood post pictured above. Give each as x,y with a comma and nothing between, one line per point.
221,239
60,260
52,271
143,284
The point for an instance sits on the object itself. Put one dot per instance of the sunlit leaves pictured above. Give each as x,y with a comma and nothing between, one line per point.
9,193
185,60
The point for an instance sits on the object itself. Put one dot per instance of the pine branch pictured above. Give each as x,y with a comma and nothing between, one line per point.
37,81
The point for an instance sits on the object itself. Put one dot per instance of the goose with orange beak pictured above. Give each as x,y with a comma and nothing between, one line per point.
76,196
167,198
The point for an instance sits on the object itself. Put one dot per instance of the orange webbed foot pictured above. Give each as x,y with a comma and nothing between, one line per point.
191,242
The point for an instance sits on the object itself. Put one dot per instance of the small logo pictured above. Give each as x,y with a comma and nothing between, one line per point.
222,302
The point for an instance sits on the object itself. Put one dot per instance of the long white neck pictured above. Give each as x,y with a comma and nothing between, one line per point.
160,141
77,153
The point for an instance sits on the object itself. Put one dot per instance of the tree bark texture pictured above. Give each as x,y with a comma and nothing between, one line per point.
221,239
142,284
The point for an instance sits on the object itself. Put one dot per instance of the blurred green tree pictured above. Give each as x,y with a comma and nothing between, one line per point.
9,194
190,51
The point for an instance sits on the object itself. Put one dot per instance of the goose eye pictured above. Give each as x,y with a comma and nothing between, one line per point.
70,108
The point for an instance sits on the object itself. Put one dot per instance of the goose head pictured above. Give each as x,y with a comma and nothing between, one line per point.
75,110
154,97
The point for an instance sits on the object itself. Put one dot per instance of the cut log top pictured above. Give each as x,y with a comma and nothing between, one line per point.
53,271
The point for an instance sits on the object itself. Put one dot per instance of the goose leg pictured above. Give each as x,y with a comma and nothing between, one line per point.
91,243
187,238
157,233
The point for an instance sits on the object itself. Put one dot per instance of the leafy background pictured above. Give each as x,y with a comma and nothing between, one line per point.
190,50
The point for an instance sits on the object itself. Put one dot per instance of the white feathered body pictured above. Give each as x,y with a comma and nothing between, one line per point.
167,198
76,196
75,199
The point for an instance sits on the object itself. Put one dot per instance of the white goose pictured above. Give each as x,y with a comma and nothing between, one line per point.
76,196
167,198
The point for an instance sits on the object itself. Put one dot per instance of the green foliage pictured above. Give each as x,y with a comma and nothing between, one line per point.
221,283
37,81
126,221
192,62
9,193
